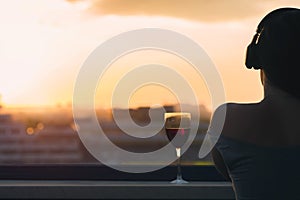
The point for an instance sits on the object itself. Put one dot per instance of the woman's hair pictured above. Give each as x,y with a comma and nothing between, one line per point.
279,49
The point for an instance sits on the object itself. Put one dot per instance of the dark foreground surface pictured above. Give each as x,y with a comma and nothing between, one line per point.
100,182
113,190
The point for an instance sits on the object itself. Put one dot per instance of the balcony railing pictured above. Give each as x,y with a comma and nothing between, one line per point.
96,181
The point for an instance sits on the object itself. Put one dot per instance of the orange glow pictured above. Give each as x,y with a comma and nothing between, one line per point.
44,43
40,126
30,131
150,94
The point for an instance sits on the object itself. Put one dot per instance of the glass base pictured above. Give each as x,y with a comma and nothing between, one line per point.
179,181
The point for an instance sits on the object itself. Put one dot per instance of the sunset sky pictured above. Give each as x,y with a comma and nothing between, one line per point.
43,44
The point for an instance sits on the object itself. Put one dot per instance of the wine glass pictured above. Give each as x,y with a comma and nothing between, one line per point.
177,127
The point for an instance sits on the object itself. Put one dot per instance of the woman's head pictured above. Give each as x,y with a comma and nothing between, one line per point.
276,49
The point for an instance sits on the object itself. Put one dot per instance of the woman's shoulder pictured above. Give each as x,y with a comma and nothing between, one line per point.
237,109
230,111
269,122
238,119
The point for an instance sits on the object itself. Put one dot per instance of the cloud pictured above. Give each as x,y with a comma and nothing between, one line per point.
196,10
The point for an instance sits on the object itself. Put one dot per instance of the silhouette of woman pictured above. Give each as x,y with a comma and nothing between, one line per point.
259,146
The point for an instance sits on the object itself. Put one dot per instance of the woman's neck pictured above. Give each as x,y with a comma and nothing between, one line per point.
270,90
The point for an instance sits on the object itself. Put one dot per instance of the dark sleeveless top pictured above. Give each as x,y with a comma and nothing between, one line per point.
260,172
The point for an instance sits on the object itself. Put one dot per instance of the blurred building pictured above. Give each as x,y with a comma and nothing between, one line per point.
54,143
44,145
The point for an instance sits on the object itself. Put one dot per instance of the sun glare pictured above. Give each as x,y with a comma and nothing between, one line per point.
44,43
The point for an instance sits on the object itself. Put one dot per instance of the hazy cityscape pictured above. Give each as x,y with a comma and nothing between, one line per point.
48,135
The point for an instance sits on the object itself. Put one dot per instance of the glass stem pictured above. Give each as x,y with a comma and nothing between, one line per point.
178,152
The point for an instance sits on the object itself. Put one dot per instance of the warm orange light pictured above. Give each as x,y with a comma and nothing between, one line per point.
74,126
30,131
50,42
40,126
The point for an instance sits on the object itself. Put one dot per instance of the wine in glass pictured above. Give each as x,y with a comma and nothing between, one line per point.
177,127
